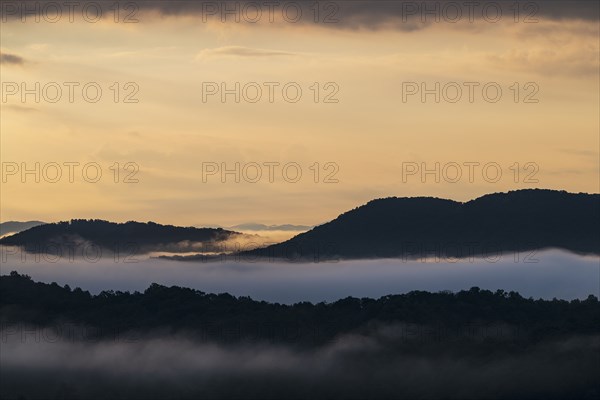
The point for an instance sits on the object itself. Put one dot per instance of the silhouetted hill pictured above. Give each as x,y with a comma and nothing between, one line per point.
223,317
17,226
110,235
423,226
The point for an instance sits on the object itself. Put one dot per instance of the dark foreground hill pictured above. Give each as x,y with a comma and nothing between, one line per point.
178,343
223,317
423,226
109,235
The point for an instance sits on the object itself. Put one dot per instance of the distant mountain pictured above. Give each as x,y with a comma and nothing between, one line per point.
262,227
144,236
417,227
17,226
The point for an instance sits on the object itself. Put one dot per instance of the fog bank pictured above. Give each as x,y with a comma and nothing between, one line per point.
546,274
355,366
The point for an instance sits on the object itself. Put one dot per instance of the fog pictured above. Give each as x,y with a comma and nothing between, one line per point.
376,365
378,361
546,274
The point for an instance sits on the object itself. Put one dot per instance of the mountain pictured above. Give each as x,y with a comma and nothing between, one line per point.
144,236
223,317
17,226
414,227
263,227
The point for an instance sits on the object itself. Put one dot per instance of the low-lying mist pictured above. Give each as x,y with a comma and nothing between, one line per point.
546,274
376,365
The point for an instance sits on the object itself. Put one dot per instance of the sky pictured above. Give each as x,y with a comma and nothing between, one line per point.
351,125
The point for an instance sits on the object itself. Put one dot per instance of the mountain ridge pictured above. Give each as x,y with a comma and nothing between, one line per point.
390,227
412,227
110,235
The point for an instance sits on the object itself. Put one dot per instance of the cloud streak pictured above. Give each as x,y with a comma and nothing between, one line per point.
239,51
11,59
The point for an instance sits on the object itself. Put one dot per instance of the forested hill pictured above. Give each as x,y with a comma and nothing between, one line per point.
466,315
420,226
145,236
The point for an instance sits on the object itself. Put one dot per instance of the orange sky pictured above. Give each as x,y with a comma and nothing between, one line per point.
360,131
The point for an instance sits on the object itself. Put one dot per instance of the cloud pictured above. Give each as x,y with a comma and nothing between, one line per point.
369,14
591,154
239,51
375,14
546,61
6,58
552,49
19,108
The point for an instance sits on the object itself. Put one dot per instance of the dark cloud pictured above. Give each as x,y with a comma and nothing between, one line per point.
6,58
420,13
375,13
368,14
